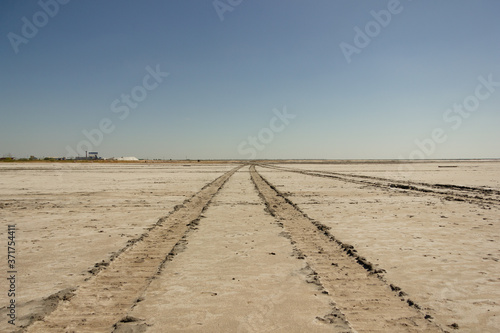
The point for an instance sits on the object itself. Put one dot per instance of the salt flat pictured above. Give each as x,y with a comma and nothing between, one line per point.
243,264
480,173
444,253
70,217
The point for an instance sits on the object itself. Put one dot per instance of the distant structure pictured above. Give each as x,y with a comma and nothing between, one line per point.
93,155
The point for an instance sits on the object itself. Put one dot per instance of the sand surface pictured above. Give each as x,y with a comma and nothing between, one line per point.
196,248
484,174
239,272
71,217
443,253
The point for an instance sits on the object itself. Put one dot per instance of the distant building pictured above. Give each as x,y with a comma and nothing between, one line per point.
93,155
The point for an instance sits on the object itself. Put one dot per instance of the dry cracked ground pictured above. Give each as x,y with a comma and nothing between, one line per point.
291,247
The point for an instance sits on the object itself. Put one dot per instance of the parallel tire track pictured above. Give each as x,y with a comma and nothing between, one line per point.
368,303
476,195
105,299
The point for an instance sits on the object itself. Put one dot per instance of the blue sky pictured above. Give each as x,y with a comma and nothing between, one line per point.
228,79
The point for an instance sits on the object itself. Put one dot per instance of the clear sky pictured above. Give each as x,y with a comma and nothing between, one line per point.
250,79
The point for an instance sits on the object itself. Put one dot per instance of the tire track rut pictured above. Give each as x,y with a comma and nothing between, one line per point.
368,303
237,273
105,298
477,195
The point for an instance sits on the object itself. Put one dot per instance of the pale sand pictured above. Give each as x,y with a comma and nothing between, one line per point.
481,173
71,216
443,254
237,274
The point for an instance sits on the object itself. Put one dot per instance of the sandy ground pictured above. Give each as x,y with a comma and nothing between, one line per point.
229,263
444,254
71,217
479,173
240,273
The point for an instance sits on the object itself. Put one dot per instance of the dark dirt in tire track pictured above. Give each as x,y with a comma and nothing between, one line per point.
477,195
104,299
368,302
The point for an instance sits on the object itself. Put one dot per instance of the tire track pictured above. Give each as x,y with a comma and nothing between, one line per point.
238,273
477,195
368,303
105,298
